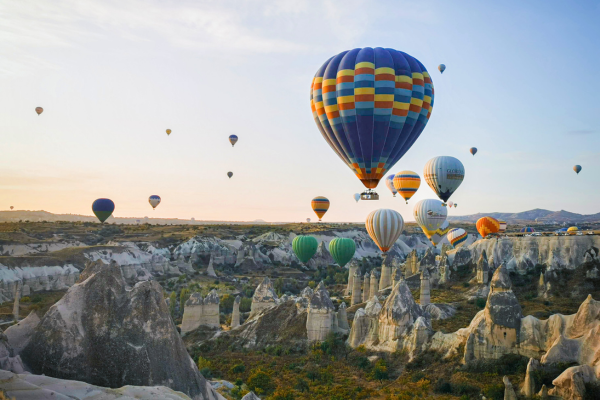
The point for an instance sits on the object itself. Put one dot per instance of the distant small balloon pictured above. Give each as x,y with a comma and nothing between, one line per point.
577,168
389,182
103,208
473,150
442,68
357,197
230,174
455,204
11,207
233,140
154,201
450,204
39,110
307,219
168,131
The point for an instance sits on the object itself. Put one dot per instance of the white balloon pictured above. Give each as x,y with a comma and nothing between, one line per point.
444,175
430,214
457,237
384,226
440,233
154,200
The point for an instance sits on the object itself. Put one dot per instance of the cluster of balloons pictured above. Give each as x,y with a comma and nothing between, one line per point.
342,249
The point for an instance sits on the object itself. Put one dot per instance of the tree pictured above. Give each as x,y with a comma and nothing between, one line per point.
260,382
184,295
172,303
279,286
226,303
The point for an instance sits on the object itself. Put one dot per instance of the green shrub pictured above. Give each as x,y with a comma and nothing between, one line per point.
480,303
260,381
238,369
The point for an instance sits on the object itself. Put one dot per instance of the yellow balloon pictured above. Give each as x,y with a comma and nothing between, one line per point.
168,131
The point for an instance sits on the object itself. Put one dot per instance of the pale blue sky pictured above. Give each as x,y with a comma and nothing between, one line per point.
521,85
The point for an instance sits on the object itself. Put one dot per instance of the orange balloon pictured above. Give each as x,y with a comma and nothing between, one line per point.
487,225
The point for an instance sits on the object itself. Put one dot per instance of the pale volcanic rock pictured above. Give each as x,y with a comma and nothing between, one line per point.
235,315
365,323
509,391
353,266
264,297
250,396
104,333
320,319
571,383
18,335
322,257
343,317
425,293
356,284
528,388
366,287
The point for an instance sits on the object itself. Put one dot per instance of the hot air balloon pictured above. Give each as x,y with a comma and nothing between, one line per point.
487,225
307,219
439,234
444,175
430,214
450,204
502,228
455,204
441,68
230,174
320,205
357,197
304,247
39,110
389,182
572,230
154,201
168,131
384,226
457,237
233,140
407,183
103,208
473,150
577,168
527,229
342,250
371,105
11,207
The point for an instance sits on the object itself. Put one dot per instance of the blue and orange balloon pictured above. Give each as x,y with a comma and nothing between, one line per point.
371,105
103,208
233,140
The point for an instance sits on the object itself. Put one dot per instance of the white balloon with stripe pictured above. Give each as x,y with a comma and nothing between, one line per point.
384,226
430,214
444,175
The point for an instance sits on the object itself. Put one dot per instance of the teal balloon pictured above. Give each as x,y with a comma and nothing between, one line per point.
342,250
304,247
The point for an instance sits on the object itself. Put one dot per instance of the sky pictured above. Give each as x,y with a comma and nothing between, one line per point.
521,85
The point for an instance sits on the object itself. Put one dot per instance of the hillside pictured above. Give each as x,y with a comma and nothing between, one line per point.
536,215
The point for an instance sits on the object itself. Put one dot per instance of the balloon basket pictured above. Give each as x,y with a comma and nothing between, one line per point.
369,195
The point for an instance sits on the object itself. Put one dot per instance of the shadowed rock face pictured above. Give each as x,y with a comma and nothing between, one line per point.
105,334
502,306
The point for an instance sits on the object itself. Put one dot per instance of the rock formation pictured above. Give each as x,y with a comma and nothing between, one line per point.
201,312
235,315
39,387
411,266
250,396
373,284
509,391
364,325
264,297
16,303
343,317
528,388
211,270
425,295
9,360
103,333
386,273
353,266
396,276
366,287
571,383
319,322
483,269
322,257
18,335
356,284
428,260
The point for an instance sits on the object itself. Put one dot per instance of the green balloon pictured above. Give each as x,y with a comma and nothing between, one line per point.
342,250
305,247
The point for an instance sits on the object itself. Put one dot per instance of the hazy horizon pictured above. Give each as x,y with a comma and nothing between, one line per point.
112,76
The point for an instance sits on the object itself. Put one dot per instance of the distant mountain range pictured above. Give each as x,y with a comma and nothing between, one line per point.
537,215
38,216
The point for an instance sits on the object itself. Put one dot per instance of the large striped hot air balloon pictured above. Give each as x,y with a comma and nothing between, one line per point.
444,175
304,247
430,214
503,225
527,229
154,201
487,225
384,226
389,182
342,250
371,105
439,234
233,140
320,205
103,208
457,237
407,183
